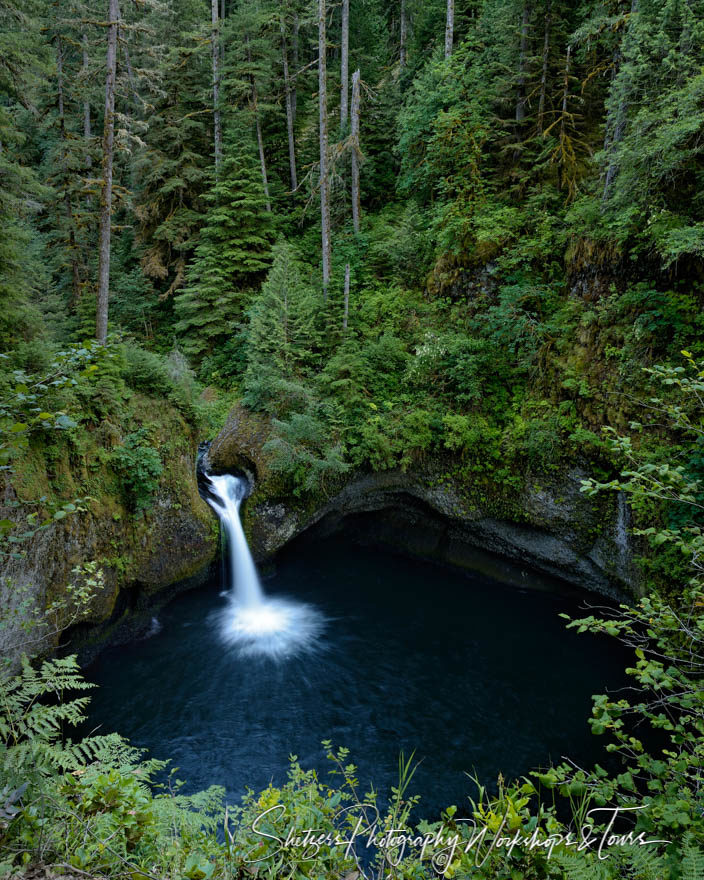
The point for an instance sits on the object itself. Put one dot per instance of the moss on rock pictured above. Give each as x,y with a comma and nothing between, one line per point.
167,543
541,520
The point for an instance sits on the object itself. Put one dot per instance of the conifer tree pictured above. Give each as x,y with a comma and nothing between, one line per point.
70,219
250,78
232,256
215,56
101,325
324,182
22,55
282,334
173,172
653,161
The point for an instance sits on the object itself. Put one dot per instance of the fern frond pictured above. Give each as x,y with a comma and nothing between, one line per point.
584,866
692,861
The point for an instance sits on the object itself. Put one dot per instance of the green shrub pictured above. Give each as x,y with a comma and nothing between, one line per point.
102,396
145,371
163,377
139,467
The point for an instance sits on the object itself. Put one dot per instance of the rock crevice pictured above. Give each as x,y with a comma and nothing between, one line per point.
550,527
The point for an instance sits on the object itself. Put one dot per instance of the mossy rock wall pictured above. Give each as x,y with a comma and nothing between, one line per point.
145,553
549,526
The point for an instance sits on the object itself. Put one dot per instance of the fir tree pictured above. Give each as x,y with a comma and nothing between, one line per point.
22,59
282,336
70,218
173,171
653,159
233,253
251,75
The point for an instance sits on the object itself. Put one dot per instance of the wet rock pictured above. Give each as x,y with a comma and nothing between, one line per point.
550,526
140,557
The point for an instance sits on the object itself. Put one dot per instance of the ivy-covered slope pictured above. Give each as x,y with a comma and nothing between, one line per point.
104,475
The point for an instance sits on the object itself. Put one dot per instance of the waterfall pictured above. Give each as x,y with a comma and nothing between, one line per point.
622,522
252,623
229,491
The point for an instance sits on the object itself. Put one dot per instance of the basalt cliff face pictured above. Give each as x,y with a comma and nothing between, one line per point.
549,526
169,546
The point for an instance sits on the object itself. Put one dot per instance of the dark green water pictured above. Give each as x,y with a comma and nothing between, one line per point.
476,676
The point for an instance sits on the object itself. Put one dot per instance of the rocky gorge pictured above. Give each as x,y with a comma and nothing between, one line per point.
549,527
143,557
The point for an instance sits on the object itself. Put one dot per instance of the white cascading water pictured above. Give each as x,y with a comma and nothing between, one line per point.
230,491
252,623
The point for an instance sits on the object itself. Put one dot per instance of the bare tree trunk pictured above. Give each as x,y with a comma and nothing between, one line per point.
544,74
403,36
566,86
356,150
294,93
86,105
260,142
222,42
347,297
449,27
258,126
130,75
286,348
60,84
289,110
522,62
128,64
75,274
616,122
217,125
344,63
101,320
562,173
323,120
611,116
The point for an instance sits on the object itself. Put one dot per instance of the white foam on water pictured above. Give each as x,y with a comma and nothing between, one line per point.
252,624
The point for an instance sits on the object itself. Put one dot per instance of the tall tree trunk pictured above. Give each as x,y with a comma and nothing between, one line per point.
289,110
449,27
86,105
101,320
347,297
344,63
260,142
60,85
131,77
222,42
522,64
75,274
403,36
128,64
544,73
323,122
563,115
294,93
566,87
356,150
217,125
616,121
258,126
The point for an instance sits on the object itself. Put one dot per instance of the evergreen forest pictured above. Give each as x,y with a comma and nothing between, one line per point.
456,239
